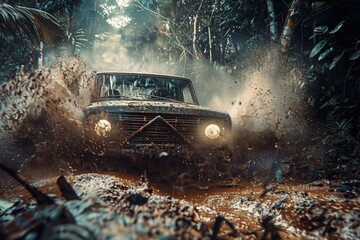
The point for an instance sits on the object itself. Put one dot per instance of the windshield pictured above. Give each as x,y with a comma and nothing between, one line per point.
138,87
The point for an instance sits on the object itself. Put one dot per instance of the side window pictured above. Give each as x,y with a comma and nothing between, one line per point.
187,95
103,81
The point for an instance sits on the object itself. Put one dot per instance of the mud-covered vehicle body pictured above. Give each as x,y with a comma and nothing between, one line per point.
137,115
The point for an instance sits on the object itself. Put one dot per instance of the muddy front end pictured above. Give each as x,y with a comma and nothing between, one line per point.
158,134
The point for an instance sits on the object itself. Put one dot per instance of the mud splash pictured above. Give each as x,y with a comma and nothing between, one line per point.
40,114
269,113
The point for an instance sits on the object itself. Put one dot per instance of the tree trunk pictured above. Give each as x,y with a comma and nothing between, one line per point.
40,60
210,44
296,14
195,30
273,26
194,35
91,22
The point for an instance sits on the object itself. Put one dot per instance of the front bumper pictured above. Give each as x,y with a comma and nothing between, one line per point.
140,153
148,150
156,138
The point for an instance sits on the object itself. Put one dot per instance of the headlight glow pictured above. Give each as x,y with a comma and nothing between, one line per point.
212,131
102,127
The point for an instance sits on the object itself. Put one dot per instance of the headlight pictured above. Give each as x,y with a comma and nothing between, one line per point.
102,127
212,131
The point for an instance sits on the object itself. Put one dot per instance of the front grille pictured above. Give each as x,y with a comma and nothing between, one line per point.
158,132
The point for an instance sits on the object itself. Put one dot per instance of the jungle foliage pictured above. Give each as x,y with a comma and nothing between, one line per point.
320,37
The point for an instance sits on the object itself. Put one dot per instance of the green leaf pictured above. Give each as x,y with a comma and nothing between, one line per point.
312,36
355,55
337,28
324,54
321,29
331,102
317,6
336,60
318,47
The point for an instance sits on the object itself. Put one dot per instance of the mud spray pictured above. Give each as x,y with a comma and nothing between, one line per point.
40,117
41,112
268,105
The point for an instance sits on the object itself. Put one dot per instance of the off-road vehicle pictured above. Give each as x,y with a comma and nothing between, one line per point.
148,116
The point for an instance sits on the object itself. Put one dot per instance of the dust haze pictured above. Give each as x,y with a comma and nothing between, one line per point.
267,103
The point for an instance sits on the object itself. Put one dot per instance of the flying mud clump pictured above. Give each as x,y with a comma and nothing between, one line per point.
41,111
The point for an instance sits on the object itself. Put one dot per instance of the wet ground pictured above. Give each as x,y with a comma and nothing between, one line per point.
284,208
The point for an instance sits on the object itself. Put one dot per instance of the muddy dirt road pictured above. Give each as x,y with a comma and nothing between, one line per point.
283,209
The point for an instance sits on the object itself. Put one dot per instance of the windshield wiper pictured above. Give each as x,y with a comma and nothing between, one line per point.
115,97
158,97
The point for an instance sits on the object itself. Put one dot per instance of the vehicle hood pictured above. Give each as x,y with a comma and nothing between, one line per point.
159,107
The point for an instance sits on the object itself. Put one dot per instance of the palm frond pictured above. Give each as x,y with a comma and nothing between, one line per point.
78,39
56,6
32,23
60,6
339,128
14,21
50,31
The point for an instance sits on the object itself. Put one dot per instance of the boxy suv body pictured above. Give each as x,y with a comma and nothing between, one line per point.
146,116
